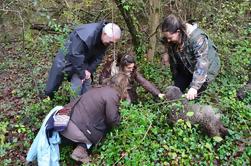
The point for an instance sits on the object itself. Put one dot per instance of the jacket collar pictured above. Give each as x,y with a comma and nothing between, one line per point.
190,28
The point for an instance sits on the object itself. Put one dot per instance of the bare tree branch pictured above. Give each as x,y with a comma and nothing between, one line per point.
67,4
131,24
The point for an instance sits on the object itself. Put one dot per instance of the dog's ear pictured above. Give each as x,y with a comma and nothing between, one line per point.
173,93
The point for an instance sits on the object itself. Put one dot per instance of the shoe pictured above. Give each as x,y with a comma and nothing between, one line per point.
80,154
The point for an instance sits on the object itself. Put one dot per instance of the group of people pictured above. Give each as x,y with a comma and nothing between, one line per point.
193,60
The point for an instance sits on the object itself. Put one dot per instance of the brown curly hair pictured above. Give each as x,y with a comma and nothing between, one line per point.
120,82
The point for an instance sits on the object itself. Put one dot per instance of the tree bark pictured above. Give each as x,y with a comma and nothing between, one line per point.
153,24
131,23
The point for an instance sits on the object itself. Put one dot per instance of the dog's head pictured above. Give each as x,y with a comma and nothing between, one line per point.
173,93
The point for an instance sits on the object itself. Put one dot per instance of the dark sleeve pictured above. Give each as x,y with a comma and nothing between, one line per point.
77,50
173,65
92,67
112,111
173,69
147,85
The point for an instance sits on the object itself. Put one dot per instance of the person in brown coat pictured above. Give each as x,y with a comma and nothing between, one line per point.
127,64
93,114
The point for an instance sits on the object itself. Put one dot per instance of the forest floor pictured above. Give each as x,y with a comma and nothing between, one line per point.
11,105
23,74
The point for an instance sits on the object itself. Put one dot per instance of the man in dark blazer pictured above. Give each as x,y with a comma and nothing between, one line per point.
82,53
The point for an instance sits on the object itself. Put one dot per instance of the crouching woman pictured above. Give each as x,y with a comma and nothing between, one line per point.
89,118
127,64
94,114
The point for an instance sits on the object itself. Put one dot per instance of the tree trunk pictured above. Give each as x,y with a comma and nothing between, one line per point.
153,24
131,23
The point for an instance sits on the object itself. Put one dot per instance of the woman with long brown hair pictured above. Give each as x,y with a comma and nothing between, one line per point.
192,55
126,63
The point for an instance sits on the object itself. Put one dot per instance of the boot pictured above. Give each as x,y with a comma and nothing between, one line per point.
80,154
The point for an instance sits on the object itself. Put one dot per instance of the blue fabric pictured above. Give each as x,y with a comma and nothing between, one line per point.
56,124
49,126
45,152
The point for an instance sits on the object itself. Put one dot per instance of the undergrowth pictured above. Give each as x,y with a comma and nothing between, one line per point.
143,137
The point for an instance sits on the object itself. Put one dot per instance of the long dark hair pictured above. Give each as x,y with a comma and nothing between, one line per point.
126,60
172,23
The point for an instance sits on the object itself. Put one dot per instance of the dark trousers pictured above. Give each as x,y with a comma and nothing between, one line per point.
56,76
67,141
183,80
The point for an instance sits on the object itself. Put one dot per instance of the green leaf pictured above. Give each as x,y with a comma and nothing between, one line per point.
126,7
180,121
188,124
173,155
217,138
190,114
166,147
208,146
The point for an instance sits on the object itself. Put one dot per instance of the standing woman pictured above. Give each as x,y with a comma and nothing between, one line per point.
193,57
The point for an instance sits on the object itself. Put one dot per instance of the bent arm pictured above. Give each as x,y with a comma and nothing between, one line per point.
93,65
77,53
147,85
201,68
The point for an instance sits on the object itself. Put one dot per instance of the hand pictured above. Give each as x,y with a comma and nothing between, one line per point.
191,94
161,96
87,74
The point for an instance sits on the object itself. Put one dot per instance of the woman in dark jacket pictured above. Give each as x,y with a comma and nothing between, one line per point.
127,64
192,55
93,114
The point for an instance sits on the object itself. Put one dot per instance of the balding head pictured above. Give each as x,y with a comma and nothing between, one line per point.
111,33
112,30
